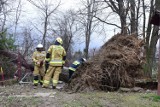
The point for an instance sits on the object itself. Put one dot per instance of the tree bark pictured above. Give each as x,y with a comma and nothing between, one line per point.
151,40
14,56
133,17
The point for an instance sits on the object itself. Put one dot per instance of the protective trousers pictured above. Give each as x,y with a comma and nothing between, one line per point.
52,72
70,73
38,74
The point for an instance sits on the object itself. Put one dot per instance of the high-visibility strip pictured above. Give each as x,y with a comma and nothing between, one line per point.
73,69
47,59
46,82
76,62
55,82
56,62
35,81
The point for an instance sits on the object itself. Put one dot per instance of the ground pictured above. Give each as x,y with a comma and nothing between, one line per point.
28,96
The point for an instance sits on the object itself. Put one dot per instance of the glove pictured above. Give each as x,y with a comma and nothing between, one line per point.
38,63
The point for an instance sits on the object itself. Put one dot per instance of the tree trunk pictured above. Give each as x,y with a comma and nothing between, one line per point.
122,15
90,11
14,56
45,31
151,43
133,17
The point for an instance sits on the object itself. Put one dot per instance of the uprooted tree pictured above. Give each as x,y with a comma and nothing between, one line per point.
117,65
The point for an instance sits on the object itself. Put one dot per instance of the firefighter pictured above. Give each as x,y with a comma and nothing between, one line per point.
56,57
75,65
39,60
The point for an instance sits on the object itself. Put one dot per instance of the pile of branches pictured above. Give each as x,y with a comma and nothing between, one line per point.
116,65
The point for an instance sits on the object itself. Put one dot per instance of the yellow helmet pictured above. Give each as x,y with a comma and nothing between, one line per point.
59,40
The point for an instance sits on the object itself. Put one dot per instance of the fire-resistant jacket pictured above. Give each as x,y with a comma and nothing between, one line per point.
57,55
75,64
38,57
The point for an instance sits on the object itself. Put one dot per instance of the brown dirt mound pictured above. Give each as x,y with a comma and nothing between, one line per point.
116,65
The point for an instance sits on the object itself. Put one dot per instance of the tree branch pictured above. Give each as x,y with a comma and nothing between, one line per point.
107,22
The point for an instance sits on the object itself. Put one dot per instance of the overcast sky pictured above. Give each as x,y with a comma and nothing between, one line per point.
30,14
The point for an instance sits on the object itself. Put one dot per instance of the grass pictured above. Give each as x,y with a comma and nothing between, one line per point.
19,102
153,97
90,99
103,99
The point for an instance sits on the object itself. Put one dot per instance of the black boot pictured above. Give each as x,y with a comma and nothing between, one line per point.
35,84
40,83
53,87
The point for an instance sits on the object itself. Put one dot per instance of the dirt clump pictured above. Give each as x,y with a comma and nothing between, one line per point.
116,65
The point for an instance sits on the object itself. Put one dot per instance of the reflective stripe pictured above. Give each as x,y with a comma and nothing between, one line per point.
56,62
55,81
35,81
76,62
73,69
47,59
46,82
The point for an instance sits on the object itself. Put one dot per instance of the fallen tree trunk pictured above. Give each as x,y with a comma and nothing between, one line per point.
14,57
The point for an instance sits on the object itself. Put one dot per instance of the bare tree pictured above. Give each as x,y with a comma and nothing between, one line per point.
3,11
93,52
87,20
17,17
128,12
28,43
67,28
9,8
151,38
133,16
121,9
47,8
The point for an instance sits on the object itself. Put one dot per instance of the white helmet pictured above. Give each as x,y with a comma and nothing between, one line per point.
39,46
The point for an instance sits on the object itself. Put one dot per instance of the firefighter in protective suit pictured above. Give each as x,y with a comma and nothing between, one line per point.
39,62
56,57
75,65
